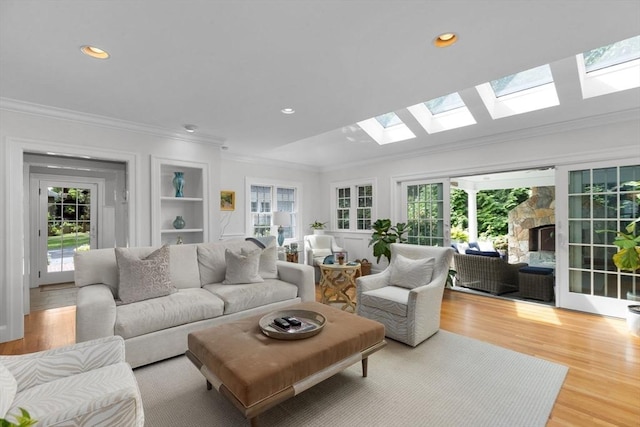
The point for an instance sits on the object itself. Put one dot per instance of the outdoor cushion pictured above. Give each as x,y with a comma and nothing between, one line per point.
493,254
536,270
182,307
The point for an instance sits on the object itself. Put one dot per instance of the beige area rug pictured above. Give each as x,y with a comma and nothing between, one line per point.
449,380
53,296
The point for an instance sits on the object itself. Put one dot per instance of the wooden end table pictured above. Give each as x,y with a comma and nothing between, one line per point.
336,280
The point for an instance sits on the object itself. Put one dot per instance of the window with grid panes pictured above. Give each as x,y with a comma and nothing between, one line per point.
354,207
263,204
344,206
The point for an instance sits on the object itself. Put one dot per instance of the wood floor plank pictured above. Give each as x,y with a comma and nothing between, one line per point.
602,387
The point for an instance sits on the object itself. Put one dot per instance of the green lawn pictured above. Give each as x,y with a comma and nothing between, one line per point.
68,240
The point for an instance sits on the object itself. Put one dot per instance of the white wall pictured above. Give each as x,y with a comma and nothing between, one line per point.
233,175
613,138
83,136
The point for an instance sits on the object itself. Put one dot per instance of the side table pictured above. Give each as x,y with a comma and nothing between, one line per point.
335,281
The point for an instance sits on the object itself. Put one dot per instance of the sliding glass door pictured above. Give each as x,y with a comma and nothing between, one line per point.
595,201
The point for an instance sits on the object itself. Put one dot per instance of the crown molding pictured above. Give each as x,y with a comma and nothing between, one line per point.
103,121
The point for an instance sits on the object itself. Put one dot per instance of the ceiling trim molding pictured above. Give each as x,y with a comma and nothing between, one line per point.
102,121
265,161
582,123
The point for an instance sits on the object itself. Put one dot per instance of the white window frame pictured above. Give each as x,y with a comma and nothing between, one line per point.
274,184
353,209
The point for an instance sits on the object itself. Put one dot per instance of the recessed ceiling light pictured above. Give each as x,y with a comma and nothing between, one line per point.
190,128
94,52
288,111
445,39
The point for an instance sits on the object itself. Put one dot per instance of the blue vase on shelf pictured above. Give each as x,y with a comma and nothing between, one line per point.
179,223
178,183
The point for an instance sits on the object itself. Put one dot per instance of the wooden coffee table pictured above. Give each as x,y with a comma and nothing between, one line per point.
256,372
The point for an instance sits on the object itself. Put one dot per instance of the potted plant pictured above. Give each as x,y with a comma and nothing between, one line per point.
384,234
22,420
628,259
317,227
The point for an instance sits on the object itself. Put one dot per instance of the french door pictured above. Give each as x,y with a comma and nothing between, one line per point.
593,201
426,211
67,222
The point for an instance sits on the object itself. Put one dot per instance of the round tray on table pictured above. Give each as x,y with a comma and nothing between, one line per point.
312,324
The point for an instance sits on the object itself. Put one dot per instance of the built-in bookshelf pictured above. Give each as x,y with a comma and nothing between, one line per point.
192,207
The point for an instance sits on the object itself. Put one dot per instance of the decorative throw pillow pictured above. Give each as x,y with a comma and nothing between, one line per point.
269,256
242,267
146,278
411,273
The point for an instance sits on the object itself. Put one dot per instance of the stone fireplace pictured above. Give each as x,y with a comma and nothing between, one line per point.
532,228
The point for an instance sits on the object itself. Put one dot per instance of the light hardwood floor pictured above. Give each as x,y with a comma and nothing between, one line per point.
602,387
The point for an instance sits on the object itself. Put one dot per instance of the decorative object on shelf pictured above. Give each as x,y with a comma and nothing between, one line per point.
179,240
227,200
281,219
178,183
318,227
179,223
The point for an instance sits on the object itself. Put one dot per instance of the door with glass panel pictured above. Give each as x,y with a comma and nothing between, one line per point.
426,212
595,201
68,223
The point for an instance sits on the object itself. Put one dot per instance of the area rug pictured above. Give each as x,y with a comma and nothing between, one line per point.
448,380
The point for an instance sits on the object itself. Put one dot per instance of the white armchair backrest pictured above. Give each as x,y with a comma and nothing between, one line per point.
318,246
442,256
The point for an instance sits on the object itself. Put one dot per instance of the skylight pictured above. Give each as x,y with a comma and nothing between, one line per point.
519,93
613,54
522,81
388,120
443,113
610,69
444,103
386,128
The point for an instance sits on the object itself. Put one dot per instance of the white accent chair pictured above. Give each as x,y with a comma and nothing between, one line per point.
317,247
405,297
83,384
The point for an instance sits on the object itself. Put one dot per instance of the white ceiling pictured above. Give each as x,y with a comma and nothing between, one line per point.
229,67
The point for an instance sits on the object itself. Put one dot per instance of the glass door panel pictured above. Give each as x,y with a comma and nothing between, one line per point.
427,212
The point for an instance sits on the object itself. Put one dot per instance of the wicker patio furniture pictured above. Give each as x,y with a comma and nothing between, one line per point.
484,273
536,283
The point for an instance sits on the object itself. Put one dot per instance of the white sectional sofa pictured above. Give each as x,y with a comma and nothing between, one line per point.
203,291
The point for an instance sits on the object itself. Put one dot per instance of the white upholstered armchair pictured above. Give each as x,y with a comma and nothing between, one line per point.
317,247
406,297
85,384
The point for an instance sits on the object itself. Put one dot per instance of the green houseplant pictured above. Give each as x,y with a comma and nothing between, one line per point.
22,420
628,243
317,225
384,234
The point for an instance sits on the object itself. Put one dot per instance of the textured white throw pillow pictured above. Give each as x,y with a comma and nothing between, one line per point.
411,273
268,267
242,267
146,278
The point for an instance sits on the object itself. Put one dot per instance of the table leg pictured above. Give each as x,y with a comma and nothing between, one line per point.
365,365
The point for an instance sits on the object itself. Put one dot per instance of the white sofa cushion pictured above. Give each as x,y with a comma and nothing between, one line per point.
392,299
107,395
411,273
268,262
143,278
184,266
243,297
242,267
184,306
8,389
